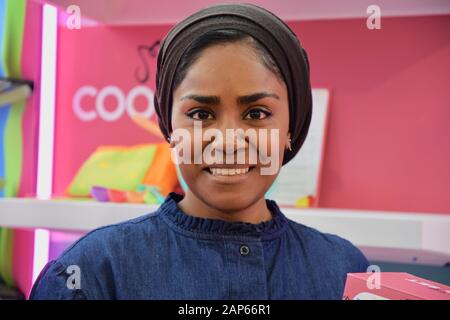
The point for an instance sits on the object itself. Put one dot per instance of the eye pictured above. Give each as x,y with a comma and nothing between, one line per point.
257,114
200,114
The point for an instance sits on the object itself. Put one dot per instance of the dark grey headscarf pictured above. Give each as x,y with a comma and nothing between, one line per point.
278,39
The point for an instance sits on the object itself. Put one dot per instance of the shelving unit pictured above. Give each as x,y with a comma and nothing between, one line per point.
384,236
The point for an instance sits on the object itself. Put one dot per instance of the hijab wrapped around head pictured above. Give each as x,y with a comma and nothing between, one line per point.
277,38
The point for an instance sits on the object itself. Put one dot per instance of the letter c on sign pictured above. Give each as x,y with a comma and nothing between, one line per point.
76,103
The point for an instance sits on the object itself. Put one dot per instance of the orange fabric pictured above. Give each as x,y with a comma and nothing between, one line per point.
162,172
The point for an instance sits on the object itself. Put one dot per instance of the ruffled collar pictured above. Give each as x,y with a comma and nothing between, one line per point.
215,228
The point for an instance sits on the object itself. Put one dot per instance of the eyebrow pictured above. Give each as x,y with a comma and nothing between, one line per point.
214,100
243,100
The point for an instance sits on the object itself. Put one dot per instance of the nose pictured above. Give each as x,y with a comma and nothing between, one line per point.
232,142
233,137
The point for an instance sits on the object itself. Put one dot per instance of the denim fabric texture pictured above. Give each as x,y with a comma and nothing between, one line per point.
168,254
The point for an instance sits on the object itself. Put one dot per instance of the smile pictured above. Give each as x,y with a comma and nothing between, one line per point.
226,175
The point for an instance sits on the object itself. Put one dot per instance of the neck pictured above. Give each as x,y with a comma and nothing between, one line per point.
255,213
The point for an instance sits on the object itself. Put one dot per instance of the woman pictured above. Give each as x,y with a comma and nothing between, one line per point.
227,67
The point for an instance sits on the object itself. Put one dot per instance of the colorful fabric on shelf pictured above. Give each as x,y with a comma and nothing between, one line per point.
162,172
121,168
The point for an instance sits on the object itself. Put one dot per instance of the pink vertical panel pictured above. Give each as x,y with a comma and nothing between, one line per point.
23,243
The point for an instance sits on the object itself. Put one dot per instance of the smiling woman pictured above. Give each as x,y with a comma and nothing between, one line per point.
246,94
227,68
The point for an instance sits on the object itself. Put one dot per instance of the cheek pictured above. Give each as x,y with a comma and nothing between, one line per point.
271,147
281,146
189,171
283,134
187,147
190,165
193,176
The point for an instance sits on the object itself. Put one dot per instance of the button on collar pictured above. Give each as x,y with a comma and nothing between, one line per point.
244,250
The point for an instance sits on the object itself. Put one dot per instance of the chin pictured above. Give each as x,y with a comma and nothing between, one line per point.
229,200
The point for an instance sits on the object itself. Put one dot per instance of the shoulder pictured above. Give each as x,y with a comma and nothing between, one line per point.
328,258
330,248
115,235
95,256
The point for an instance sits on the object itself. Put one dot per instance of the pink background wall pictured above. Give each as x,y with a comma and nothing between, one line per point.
145,12
388,137
387,143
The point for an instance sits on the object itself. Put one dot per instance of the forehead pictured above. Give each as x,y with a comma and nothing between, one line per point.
233,67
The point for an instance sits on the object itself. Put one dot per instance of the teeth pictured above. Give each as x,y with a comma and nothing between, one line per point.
228,172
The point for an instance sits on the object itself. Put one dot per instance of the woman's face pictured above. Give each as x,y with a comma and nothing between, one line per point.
228,87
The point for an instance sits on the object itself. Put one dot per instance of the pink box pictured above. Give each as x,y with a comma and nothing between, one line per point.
393,286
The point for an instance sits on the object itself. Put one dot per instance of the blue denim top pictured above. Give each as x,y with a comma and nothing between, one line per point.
171,255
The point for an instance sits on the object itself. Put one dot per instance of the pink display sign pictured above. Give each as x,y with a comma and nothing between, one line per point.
104,76
393,286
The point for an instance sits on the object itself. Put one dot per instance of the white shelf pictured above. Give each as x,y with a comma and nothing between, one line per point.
66,215
387,236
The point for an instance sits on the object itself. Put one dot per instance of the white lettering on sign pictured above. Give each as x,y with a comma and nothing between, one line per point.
124,103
